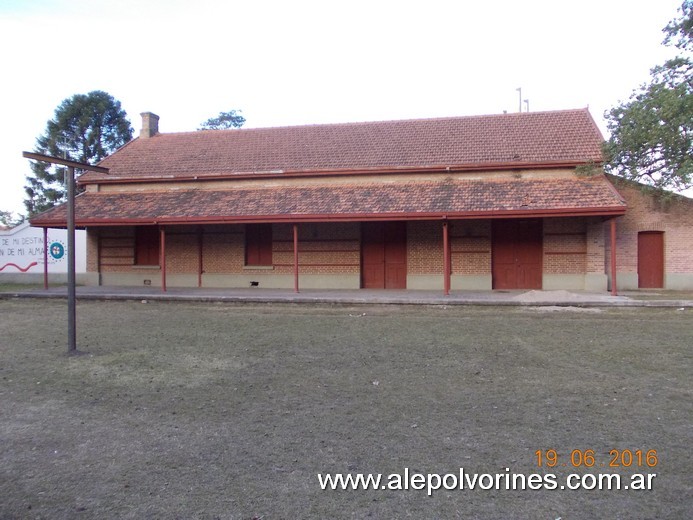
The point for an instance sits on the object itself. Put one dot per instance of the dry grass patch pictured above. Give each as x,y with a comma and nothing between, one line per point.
230,411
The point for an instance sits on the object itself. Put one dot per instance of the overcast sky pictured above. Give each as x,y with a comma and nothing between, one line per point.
303,62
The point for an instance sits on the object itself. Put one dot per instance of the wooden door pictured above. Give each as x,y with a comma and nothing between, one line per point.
258,244
147,245
384,255
651,259
372,256
517,254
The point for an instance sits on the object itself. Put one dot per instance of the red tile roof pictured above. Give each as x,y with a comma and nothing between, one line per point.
412,200
511,140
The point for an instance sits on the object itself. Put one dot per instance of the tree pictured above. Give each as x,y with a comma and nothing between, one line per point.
225,120
652,133
85,128
9,219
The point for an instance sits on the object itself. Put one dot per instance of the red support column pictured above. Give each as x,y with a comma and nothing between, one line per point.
162,257
199,256
98,255
614,291
295,257
45,258
446,259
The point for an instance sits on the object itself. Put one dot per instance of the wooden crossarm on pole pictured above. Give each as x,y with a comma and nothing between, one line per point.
63,162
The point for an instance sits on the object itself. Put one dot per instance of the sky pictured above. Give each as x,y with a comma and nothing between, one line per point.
310,62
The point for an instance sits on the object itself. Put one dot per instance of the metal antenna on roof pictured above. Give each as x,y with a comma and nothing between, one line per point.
526,105
519,89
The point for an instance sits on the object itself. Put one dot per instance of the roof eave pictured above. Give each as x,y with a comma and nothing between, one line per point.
606,211
390,170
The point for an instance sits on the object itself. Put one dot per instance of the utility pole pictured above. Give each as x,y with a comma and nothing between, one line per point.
71,291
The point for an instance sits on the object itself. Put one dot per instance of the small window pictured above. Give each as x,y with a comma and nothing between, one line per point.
147,245
258,244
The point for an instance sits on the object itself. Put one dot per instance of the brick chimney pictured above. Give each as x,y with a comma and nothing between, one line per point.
150,125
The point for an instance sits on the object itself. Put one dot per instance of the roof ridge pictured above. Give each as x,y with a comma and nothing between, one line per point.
377,122
519,139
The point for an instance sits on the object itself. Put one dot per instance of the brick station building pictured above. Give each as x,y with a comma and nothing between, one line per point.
465,203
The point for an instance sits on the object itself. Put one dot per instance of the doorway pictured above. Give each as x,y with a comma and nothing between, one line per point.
517,254
384,255
651,259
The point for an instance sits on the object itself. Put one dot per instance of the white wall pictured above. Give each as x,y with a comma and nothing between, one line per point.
21,253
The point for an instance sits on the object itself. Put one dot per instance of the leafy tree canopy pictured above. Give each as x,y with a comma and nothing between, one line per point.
9,219
225,120
652,133
85,128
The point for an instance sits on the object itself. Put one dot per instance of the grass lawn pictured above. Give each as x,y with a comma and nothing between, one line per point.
225,411
17,287
658,294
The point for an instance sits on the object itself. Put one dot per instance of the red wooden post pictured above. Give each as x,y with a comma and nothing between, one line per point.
614,291
295,257
199,256
446,259
45,258
98,256
162,257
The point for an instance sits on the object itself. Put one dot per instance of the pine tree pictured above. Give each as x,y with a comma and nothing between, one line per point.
85,128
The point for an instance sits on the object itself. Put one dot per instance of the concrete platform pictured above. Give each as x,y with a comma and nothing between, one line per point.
354,297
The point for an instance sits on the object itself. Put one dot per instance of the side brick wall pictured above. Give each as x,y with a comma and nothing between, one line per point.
647,211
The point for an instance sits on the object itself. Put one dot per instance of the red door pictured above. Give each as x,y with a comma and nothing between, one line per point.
384,255
651,259
517,254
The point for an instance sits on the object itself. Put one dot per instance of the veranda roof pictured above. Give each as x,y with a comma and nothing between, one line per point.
426,200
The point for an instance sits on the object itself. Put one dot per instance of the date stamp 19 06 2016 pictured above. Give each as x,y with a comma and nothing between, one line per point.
588,458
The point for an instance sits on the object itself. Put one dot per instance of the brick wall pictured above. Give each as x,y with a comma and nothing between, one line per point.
470,247
595,245
223,249
323,248
649,212
116,246
565,246
92,250
425,247
571,245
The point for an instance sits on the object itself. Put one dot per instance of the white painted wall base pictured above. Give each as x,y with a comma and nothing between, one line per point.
282,281
625,281
37,278
466,282
566,282
596,282
133,279
435,282
679,281
425,282
589,282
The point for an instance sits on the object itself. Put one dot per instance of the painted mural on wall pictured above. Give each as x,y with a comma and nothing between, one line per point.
21,250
